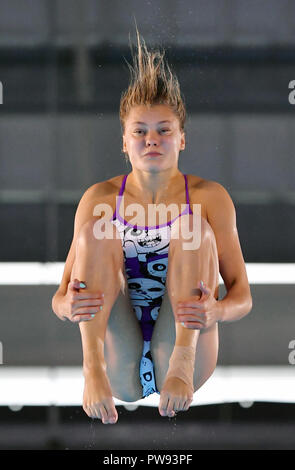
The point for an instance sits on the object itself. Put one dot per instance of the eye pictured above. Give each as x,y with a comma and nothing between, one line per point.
138,131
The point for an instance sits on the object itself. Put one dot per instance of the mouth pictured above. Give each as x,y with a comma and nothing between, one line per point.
152,154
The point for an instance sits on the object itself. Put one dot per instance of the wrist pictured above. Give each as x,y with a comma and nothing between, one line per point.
220,311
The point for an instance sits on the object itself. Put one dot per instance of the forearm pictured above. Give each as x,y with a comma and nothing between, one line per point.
236,304
57,305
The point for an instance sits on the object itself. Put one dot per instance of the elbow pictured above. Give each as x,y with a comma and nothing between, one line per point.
249,304
53,303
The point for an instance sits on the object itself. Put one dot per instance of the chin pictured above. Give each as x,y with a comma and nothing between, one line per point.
153,168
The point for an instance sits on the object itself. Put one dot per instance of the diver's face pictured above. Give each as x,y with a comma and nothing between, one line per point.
153,129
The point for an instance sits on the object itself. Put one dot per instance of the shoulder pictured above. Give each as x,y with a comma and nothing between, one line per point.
198,183
212,189
218,196
104,189
103,192
213,195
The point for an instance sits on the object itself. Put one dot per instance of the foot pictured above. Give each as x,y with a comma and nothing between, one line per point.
97,399
175,396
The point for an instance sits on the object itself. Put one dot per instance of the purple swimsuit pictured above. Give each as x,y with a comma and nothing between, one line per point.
146,262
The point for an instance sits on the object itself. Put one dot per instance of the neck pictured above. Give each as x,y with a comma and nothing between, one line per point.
154,187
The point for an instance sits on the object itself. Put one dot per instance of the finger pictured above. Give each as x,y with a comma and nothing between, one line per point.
190,311
204,288
89,303
79,318
191,318
188,318
76,284
191,304
88,295
85,311
193,325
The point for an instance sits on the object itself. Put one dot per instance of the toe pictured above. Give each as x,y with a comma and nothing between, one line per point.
111,412
182,405
95,413
178,404
163,404
171,408
186,405
88,411
104,414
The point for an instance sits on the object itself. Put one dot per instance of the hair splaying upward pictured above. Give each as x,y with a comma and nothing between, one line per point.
152,82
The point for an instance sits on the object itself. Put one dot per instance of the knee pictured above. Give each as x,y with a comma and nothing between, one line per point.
195,230
97,231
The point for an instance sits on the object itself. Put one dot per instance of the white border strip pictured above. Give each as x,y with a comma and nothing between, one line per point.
51,273
63,386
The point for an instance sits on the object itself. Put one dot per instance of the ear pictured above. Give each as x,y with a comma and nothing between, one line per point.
182,141
124,149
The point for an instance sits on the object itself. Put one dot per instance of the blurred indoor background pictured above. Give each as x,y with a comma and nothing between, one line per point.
62,69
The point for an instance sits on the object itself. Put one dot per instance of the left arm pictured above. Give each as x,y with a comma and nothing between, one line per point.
221,216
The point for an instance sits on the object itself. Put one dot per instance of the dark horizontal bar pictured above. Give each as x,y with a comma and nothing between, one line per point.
114,54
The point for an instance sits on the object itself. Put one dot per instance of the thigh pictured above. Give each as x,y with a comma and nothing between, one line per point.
206,355
123,349
163,340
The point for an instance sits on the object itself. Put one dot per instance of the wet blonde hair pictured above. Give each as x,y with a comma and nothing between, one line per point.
152,82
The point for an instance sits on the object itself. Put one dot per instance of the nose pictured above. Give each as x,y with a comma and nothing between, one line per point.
152,138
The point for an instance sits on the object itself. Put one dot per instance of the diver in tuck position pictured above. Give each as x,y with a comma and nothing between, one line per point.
159,334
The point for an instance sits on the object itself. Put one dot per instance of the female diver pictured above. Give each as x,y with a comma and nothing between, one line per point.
147,306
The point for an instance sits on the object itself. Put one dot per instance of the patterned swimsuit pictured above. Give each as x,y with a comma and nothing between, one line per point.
146,261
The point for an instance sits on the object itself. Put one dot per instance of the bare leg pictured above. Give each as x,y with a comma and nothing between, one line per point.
123,350
163,341
185,269
99,263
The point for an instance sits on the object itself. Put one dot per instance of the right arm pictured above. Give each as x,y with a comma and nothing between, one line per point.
61,298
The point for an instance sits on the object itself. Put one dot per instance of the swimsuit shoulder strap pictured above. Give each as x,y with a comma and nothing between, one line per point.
120,196
187,194
123,185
